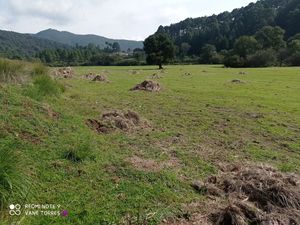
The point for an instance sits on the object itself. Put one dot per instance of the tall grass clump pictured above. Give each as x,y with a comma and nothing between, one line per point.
11,71
39,69
13,183
43,86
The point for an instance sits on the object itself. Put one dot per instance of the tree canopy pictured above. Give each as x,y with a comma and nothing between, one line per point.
159,49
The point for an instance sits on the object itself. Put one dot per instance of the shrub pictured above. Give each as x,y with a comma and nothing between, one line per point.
262,58
44,85
13,184
294,59
234,61
10,70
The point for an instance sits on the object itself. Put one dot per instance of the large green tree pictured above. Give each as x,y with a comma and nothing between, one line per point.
245,46
159,49
271,37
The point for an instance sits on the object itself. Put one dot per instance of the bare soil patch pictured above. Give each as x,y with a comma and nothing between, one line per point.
147,85
150,165
118,120
29,137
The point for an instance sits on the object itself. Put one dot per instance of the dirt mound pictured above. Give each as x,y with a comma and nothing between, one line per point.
117,120
96,77
89,76
101,78
66,72
147,85
133,72
187,74
236,81
256,195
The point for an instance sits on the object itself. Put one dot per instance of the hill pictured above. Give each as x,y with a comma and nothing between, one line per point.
16,45
68,38
223,29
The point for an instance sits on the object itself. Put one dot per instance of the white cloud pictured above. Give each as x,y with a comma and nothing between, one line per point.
133,19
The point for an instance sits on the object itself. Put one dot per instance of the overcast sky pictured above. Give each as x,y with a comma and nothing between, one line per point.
128,19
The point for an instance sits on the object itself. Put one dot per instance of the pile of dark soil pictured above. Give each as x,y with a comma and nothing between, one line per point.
66,72
101,78
147,85
116,120
256,195
236,81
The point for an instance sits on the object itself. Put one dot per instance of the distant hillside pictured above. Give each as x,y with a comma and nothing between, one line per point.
83,40
223,29
16,45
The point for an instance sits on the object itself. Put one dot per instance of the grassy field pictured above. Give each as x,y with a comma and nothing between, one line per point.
198,122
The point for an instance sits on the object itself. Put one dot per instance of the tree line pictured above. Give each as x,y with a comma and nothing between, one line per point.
92,55
266,48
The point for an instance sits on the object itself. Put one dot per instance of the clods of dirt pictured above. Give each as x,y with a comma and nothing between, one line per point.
66,72
256,195
117,120
147,85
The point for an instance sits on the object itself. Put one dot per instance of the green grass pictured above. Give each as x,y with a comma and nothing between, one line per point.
201,120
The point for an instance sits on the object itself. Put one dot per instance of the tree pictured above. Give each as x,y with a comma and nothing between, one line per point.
184,49
159,49
208,53
116,47
245,46
271,37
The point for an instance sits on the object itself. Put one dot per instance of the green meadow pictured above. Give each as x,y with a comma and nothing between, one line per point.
199,120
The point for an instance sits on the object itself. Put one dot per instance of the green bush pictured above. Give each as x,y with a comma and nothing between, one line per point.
294,59
13,184
234,61
262,58
10,70
44,85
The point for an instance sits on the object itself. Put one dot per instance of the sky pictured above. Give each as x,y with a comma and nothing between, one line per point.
125,19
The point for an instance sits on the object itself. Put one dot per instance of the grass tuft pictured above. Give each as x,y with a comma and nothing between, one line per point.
44,85
10,71
13,183
39,69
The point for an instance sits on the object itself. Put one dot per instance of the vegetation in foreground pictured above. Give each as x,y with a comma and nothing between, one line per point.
203,117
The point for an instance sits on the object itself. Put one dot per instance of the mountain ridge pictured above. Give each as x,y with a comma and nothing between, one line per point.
72,39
